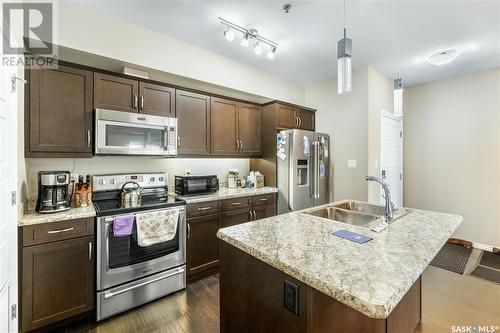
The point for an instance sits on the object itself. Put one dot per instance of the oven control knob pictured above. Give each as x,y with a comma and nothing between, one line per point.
102,182
111,181
152,179
160,179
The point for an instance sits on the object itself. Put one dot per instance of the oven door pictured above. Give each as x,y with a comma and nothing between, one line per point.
121,259
124,133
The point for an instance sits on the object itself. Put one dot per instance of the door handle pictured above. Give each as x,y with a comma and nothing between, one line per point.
204,208
241,145
236,203
135,101
254,215
142,101
111,293
88,138
250,214
300,122
237,145
60,230
90,251
188,231
178,142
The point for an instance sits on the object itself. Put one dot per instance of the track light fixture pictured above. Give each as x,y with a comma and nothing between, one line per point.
249,36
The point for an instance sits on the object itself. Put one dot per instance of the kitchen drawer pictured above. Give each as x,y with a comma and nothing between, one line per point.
237,203
203,208
56,231
264,199
236,217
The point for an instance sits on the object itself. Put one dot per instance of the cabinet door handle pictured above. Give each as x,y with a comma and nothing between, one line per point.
88,138
241,145
204,208
300,122
135,101
142,101
250,214
178,142
236,203
254,215
189,231
296,121
237,145
60,230
90,251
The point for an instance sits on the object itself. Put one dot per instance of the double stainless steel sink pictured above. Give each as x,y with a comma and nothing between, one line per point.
356,213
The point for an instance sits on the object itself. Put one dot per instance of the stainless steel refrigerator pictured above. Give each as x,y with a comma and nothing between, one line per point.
303,163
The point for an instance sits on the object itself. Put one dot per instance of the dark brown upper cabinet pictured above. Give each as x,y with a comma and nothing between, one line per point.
306,119
115,93
249,129
223,124
156,100
236,128
286,116
290,117
59,112
193,114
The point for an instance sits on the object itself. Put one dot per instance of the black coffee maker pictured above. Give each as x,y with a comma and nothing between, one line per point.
53,192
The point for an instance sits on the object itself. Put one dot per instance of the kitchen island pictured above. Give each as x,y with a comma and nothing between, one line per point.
288,273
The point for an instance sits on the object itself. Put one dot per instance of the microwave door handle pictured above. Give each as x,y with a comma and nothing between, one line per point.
166,136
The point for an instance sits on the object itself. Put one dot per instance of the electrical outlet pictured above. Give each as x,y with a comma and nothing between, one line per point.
351,163
74,177
291,297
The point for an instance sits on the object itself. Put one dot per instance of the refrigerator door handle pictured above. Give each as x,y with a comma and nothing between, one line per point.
315,170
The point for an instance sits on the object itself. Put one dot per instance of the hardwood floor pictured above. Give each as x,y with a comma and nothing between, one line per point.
447,299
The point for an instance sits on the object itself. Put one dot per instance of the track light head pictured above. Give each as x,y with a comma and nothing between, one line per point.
257,48
271,53
229,34
245,42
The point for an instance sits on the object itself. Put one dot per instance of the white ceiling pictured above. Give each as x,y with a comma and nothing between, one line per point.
307,36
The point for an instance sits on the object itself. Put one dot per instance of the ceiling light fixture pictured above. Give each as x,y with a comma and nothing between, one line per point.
248,36
398,82
257,48
229,34
245,41
443,57
344,67
271,53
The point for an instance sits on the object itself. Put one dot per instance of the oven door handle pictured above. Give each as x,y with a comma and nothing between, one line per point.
121,291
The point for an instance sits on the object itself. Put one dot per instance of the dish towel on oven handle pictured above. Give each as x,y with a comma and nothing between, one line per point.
156,227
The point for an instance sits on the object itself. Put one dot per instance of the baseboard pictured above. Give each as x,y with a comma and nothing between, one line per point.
483,247
475,245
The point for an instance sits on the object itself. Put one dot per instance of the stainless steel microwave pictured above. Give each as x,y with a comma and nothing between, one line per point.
126,133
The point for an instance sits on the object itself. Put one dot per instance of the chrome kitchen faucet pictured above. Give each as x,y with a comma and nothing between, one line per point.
389,205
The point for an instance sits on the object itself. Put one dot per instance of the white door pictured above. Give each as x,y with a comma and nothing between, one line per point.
391,156
8,207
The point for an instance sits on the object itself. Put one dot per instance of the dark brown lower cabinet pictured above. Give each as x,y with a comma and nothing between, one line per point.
261,212
202,247
255,302
57,275
206,218
236,217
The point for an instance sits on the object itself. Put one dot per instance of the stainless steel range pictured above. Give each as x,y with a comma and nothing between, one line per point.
132,270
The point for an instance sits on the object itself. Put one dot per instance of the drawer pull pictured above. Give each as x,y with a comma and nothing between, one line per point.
204,208
236,203
263,199
60,230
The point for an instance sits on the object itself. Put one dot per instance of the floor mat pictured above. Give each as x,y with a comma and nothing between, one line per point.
487,274
452,257
490,259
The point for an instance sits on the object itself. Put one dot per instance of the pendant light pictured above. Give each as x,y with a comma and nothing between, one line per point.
398,82
344,53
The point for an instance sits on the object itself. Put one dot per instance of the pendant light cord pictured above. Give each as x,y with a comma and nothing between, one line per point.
344,20
397,39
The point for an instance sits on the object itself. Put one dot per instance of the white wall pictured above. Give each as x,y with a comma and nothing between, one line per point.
81,28
380,97
345,119
123,164
452,150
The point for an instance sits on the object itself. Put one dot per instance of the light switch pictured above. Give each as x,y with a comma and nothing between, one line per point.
351,163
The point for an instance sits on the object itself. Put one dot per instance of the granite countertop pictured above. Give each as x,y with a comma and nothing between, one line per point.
32,217
371,278
226,193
